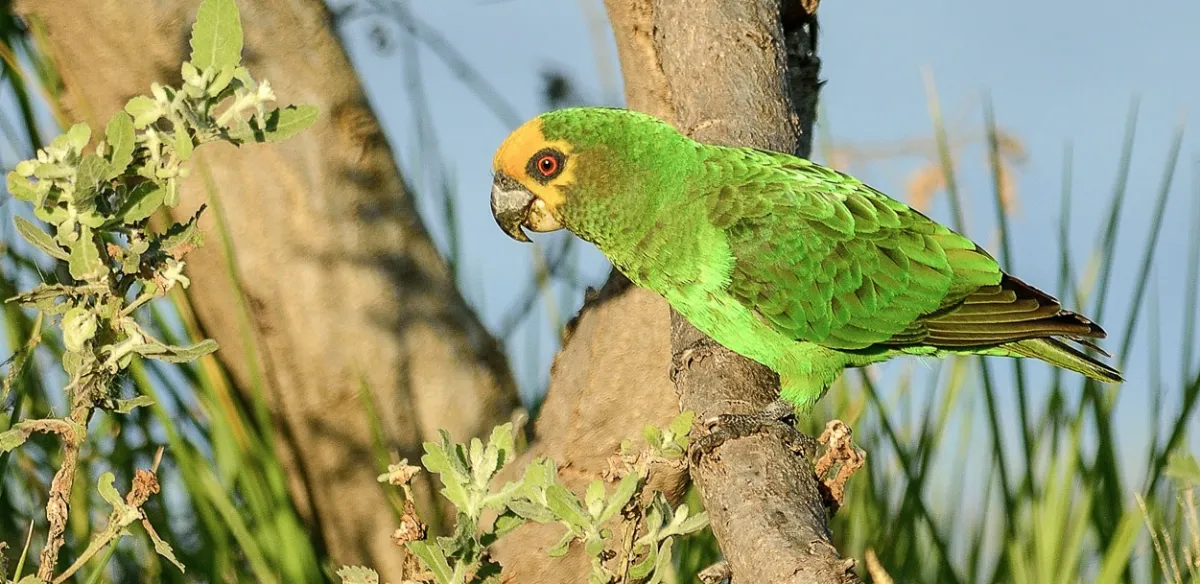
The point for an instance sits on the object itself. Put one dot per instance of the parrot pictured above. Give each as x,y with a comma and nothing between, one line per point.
800,267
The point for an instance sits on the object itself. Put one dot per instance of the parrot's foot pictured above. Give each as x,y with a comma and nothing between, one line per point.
840,460
778,414
694,352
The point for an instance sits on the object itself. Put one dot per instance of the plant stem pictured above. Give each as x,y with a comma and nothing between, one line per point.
144,485
58,506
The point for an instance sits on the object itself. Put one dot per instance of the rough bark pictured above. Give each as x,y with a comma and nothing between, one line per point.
766,510
759,87
342,285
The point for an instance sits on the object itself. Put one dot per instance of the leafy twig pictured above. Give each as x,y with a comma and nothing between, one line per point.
98,202
145,483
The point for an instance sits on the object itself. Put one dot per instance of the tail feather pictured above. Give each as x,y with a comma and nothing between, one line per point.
1060,354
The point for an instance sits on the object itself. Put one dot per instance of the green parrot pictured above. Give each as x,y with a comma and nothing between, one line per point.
792,264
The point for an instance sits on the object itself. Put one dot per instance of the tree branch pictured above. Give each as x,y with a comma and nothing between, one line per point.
759,89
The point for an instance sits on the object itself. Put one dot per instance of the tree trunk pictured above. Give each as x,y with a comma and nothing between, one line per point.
760,71
332,283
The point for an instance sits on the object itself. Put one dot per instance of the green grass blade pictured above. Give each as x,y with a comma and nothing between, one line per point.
1006,259
944,156
947,572
1109,240
1191,282
1160,207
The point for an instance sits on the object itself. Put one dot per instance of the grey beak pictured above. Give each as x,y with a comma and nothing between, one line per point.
510,206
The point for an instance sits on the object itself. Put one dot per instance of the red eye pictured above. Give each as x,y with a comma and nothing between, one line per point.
547,164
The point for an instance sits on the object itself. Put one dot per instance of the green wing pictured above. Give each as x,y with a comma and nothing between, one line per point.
826,259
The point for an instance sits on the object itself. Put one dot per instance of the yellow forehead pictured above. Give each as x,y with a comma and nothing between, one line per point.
512,157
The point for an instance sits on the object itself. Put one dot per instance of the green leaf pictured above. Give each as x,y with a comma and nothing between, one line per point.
164,549
92,170
653,436
475,456
142,202
620,497
663,565
189,73
145,111
92,219
280,124
124,406
680,428
12,438
221,81
357,575
54,216
565,506
178,354
502,440
26,167
121,139
560,549
539,474
434,560
184,144
531,511
217,36
594,498
643,568
109,493
52,170
79,327
182,238
78,136
593,547
84,262
172,197
39,238
690,524
655,515
21,187
499,499
1183,466
506,523
443,459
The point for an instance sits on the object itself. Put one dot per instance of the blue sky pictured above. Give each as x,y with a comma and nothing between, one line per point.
1057,71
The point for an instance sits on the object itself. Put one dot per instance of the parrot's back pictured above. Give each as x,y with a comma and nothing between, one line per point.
767,247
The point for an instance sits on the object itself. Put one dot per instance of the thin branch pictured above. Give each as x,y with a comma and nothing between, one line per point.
58,506
145,483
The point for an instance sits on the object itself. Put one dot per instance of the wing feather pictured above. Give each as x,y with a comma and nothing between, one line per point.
826,259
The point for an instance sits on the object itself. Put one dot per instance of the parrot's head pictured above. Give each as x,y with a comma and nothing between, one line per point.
566,168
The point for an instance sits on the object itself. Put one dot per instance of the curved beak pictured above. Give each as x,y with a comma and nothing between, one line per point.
510,205
515,208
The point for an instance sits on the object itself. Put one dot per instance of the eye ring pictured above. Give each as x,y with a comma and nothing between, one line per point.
545,165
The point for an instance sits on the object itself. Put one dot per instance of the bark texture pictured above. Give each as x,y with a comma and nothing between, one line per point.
743,73
341,283
760,89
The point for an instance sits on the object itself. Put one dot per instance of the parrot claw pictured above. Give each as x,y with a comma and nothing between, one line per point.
720,429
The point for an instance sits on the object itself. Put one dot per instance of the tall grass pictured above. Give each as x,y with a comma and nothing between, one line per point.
1052,501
